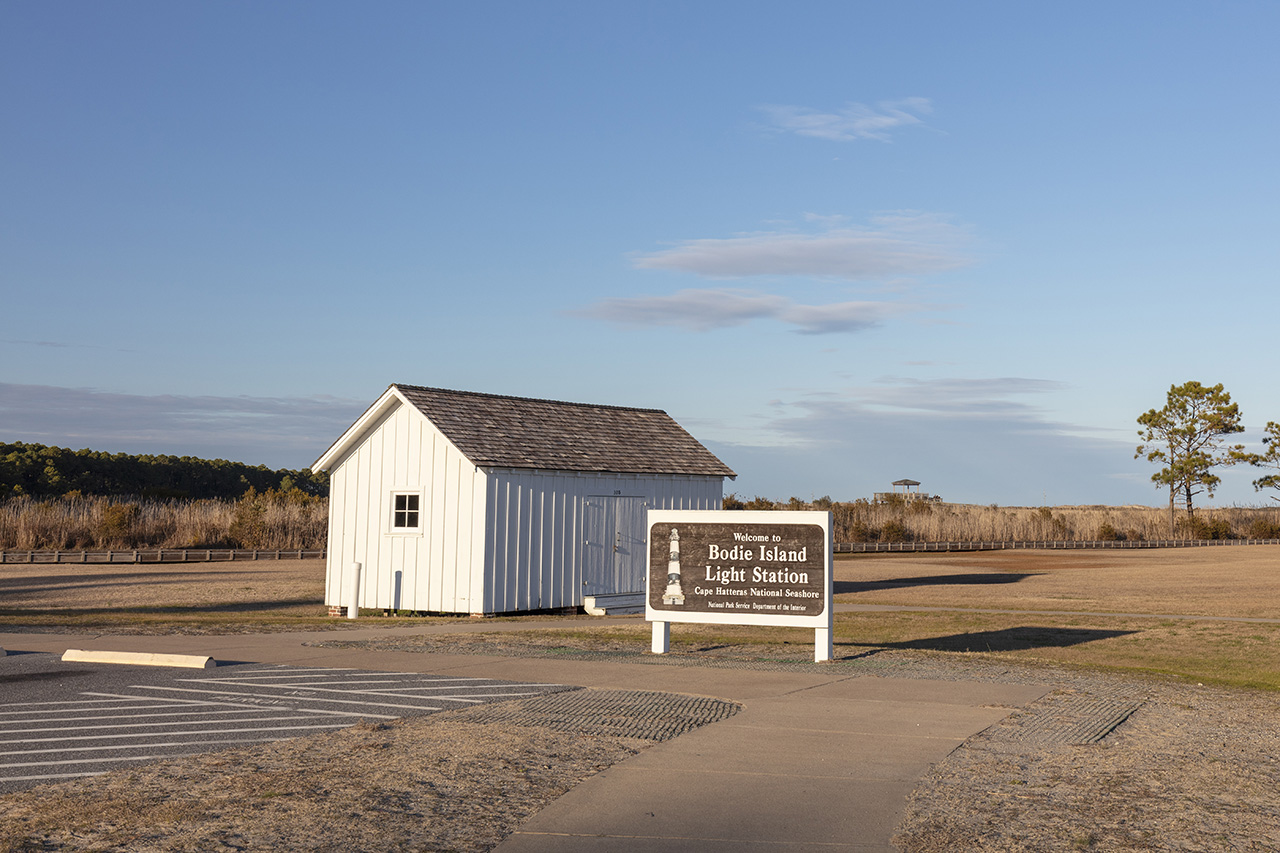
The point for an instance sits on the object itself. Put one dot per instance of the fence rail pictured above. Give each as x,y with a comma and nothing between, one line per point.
1062,544
210,555
158,555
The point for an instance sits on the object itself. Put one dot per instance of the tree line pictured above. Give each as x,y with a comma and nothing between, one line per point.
37,470
1188,436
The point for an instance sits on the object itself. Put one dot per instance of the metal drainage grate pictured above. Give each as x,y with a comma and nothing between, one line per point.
623,713
1069,719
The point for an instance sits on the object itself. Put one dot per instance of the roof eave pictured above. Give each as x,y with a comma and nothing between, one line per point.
390,397
596,472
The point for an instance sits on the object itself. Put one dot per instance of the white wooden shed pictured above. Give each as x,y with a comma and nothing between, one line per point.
458,502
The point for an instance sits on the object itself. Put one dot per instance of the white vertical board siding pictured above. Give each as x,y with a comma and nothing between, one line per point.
535,523
403,452
496,541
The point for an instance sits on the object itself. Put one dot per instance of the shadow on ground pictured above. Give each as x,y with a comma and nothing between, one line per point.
169,610
972,579
32,585
1018,639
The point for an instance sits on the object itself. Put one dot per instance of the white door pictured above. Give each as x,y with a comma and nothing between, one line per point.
615,540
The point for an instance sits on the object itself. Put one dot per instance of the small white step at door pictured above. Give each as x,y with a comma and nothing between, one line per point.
618,602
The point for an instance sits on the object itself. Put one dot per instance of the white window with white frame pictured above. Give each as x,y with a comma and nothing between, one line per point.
406,511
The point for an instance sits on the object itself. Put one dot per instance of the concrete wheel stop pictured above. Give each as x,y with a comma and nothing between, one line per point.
139,658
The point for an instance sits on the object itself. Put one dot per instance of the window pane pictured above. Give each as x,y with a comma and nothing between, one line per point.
405,511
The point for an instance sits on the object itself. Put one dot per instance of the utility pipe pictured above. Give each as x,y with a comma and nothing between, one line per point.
353,601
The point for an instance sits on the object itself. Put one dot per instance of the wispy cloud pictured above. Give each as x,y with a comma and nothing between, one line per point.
969,439
277,431
852,122
704,310
898,244
897,405
60,345
957,396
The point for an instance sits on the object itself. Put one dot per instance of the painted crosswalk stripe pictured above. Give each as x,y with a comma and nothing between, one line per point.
264,678
189,715
367,692
45,717
150,745
179,701
44,776
285,669
126,758
114,699
231,731
147,726
269,696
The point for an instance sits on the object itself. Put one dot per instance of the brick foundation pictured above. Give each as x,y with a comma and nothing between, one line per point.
337,610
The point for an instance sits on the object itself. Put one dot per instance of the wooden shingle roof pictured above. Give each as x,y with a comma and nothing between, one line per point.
517,432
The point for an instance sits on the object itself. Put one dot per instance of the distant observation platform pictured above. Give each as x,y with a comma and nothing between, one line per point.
906,490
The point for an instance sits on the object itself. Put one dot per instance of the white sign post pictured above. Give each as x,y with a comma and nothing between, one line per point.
740,568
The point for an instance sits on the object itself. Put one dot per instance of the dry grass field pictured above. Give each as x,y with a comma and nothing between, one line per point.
288,521
1126,602
1083,608
1194,770
1211,581
261,595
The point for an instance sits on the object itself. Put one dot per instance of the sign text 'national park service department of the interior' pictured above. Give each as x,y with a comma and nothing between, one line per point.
751,568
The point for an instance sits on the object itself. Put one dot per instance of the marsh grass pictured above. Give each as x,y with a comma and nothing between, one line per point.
293,520
926,521
270,520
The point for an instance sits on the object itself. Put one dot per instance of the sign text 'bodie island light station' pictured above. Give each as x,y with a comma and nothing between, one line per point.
736,574
736,567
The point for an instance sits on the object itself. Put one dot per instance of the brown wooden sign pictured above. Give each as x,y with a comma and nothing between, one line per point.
744,568
778,569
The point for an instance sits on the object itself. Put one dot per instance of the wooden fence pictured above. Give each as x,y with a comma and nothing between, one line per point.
157,555
207,555
1067,544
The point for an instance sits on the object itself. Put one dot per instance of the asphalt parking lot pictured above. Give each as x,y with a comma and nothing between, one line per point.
60,720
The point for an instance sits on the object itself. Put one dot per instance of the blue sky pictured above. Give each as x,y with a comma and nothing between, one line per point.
842,243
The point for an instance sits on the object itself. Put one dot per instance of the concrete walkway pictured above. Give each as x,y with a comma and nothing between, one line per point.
816,760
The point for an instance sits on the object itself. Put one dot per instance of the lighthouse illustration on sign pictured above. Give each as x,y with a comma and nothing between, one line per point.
674,593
